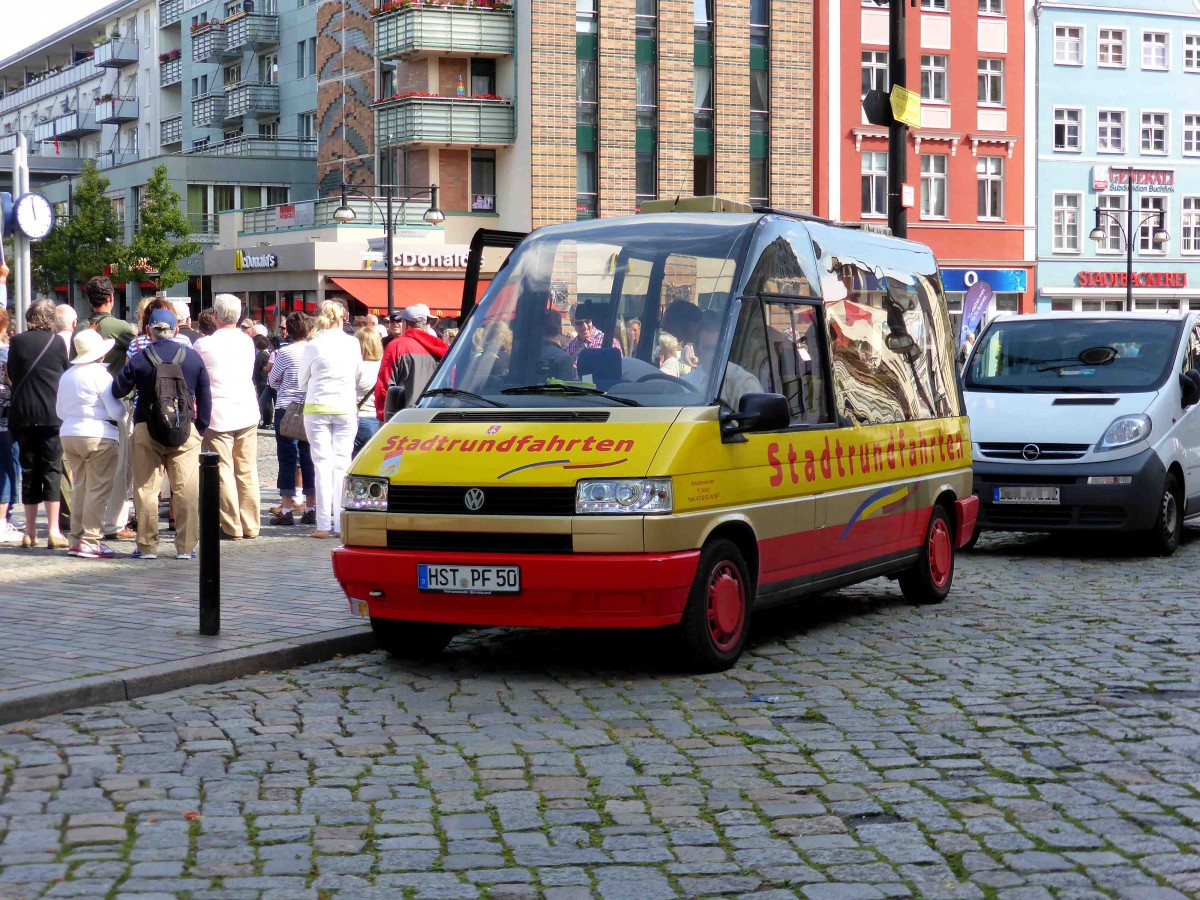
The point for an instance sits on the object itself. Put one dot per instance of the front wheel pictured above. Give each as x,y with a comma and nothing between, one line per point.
412,640
1168,527
716,619
930,578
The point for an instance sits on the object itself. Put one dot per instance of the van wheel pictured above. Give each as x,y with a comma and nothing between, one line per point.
1168,528
716,619
930,578
412,640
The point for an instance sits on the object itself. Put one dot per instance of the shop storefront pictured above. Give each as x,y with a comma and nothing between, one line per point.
1009,287
1106,290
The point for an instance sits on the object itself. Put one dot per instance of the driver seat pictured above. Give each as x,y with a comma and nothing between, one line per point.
602,363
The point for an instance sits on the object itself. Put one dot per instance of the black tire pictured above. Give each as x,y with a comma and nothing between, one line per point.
930,578
716,619
1163,538
412,640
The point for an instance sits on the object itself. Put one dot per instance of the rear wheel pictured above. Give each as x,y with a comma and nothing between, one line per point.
1168,527
931,576
716,619
412,640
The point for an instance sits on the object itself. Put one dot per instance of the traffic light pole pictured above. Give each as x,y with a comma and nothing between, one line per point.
897,131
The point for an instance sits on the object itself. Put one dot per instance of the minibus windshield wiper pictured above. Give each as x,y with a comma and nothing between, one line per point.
568,389
1070,389
1002,388
466,395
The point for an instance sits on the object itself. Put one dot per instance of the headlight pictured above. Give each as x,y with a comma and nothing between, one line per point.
631,496
1125,431
365,493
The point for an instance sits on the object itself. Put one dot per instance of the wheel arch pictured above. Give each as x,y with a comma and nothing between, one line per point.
740,532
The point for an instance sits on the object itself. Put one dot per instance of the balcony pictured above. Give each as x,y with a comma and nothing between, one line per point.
209,43
170,131
170,12
254,31
205,227
109,159
443,122
116,53
406,213
116,110
8,142
76,124
170,72
253,146
250,98
51,83
417,32
208,110
43,131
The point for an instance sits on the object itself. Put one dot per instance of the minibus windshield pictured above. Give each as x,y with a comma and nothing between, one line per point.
1107,356
601,314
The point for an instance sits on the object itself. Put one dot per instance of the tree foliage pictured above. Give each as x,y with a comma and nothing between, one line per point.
90,237
161,241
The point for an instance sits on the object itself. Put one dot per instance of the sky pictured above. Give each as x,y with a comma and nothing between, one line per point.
29,23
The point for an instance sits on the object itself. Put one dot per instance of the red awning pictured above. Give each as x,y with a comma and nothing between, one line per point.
443,296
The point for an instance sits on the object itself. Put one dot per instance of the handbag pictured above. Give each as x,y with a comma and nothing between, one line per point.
291,426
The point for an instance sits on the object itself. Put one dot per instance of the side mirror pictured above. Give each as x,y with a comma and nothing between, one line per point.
1189,386
394,402
757,412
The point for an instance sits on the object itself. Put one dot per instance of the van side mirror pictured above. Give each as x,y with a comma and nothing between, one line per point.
393,402
1189,385
757,412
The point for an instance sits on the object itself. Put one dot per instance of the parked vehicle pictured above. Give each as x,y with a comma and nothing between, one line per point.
1087,421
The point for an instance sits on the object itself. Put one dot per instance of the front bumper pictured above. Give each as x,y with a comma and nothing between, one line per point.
1083,506
634,590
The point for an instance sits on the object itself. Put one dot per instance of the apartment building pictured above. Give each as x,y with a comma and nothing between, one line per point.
971,161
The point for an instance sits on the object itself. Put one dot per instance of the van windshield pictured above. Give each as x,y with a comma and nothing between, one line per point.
1108,356
602,313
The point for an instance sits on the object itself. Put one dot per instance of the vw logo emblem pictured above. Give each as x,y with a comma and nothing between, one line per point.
1029,451
473,500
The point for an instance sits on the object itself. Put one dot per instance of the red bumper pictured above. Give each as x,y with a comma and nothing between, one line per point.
585,591
968,512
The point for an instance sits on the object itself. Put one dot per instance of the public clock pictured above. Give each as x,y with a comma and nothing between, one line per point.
34,215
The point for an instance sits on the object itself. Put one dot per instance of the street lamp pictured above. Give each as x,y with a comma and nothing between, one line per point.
1158,238
345,214
70,239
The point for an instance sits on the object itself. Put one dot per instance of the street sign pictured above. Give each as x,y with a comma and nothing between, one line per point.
908,196
906,106
878,111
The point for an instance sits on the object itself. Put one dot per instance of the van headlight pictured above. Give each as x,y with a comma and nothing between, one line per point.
628,496
1125,431
368,494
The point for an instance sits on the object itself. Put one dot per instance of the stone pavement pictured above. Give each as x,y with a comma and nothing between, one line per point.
74,631
1036,736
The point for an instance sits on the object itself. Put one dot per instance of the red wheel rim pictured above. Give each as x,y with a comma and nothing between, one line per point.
726,605
940,552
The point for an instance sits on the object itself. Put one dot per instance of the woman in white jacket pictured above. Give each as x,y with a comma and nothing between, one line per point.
330,370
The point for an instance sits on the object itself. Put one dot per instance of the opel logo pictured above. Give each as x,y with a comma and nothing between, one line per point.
474,500
1029,451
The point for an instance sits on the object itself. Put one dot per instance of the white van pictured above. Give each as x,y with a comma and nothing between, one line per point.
1087,421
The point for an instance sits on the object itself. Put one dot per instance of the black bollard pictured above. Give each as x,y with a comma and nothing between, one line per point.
210,545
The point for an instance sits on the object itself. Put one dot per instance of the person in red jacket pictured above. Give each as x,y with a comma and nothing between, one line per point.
410,359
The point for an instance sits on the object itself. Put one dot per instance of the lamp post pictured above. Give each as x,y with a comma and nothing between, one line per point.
1099,235
70,239
345,214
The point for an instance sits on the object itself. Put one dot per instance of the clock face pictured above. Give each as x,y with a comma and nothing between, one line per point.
34,216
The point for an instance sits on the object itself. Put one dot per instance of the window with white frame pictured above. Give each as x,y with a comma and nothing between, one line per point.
933,185
1110,131
990,174
1066,222
1068,129
1151,203
874,71
935,5
1191,53
935,78
1189,225
991,7
1112,48
1068,45
1191,134
1154,133
1156,50
991,81
874,184
1111,205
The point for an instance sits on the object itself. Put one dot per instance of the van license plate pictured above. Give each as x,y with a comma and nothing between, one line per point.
469,579
1046,496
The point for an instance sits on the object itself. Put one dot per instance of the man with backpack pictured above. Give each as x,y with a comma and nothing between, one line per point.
174,405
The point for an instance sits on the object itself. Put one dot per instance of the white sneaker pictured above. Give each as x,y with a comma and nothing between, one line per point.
8,534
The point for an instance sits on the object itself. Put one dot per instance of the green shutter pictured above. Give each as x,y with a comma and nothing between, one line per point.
703,54
647,50
758,59
647,140
585,46
585,137
758,144
702,142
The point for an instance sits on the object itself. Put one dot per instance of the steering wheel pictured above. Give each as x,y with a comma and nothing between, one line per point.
651,376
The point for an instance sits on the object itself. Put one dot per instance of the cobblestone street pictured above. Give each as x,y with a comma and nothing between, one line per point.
1038,735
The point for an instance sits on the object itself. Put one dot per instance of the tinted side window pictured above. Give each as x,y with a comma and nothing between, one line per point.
793,335
1193,351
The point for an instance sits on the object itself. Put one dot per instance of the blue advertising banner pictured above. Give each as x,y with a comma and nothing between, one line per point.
1003,281
975,304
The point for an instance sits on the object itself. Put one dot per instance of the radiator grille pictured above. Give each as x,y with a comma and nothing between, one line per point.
497,501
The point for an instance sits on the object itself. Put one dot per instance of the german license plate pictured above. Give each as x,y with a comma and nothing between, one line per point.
1045,496
360,608
469,579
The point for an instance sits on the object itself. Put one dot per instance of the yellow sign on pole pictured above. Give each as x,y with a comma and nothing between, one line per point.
906,106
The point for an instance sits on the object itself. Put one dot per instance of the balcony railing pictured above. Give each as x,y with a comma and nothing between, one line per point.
170,12
170,72
116,53
117,110
110,158
406,213
205,227
43,131
418,31
441,121
76,124
208,110
50,84
260,147
251,98
171,130
252,30
209,43
8,142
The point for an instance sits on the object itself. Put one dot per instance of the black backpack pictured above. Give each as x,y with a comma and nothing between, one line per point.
170,419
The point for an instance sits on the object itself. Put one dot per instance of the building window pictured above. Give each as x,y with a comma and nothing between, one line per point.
1155,50
483,181
233,74
1112,48
1066,222
933,186
934,78
306,126
269,130
874,185
587,205
1068,45
1191,53
1191,134
646,177
302,61
268,68
990,173
483,77
1110,131
1189,230
1068,128
647,95
1110,223
760,181
587,199
874,71
991,82
1150,204
585,17
760,102
934,5
702,11
1154,133
991,7
760,23
647,20
586,96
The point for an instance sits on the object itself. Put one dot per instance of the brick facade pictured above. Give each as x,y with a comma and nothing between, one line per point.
345,91
618,105
552,149
676,97
454,167
791,144
731,81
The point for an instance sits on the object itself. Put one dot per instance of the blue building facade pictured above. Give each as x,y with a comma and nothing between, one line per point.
1118,107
